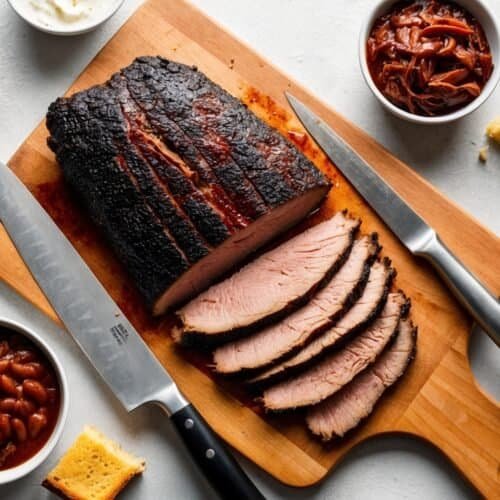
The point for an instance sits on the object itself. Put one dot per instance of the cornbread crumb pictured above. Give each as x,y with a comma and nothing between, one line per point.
94,468
493,129
483,154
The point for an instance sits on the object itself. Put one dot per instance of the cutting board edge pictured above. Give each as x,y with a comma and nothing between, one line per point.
328,109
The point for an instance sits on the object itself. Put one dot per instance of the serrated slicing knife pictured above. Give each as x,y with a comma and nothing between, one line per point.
107,338
421,239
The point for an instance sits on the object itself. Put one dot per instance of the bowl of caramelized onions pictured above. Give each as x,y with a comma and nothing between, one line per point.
430,61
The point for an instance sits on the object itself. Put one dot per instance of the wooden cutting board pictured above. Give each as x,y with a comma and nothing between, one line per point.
437,401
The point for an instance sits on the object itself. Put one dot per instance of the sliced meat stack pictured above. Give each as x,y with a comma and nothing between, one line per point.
276,282
351,335
181,177
345,410
364,310
285,337
338,369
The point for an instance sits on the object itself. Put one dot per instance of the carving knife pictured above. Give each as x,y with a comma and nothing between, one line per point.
408,226
107,338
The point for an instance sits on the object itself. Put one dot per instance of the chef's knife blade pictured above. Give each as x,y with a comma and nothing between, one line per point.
408,226
106,336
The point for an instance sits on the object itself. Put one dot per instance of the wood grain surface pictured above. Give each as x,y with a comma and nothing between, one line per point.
438,400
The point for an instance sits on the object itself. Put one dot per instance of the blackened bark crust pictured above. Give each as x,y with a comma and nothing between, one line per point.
162,214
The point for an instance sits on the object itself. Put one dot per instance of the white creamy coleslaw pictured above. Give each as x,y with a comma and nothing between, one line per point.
64,14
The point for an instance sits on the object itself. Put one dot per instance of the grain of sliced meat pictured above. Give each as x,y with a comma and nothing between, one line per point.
338,369
345,410
285,337
364,310
270,286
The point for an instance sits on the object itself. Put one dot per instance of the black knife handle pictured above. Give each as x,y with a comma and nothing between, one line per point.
214,460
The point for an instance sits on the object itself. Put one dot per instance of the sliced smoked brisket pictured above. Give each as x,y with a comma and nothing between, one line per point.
338,369
269,286
347,408
292,332
181,177
364,310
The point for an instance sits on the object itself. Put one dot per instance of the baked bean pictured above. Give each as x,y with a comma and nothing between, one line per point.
35,390
24,408
5,427
8,384
4,348
25,356
28,370
43,410
36,423
4,365
48,380
19,429
7,405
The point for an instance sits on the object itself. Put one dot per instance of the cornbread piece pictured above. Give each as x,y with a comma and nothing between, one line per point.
183,180
94,468
346,409
270,286
493,130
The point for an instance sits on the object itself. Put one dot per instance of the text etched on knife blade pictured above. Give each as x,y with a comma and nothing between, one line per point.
120,333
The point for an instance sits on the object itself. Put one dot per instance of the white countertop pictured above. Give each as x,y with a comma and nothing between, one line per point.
316,43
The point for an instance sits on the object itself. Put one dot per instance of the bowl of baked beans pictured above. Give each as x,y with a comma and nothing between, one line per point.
33,400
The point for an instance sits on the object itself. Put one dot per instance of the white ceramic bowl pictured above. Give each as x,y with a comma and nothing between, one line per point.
492,31
26,12
8,475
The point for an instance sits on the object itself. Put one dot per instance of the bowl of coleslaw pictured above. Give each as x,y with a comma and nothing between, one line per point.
65,17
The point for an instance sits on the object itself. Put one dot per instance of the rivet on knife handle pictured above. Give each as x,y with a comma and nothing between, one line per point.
213,459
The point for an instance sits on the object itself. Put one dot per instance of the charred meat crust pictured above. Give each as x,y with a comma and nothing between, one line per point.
221,127
353,296
203,341
196,199
142,174
161,217
85,133
257,384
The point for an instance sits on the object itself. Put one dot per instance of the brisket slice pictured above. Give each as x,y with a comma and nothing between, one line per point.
285,337
364,310
338,369
268,287
346,409
181,177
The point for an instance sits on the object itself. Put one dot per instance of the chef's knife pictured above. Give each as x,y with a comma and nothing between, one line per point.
408,226
107,338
